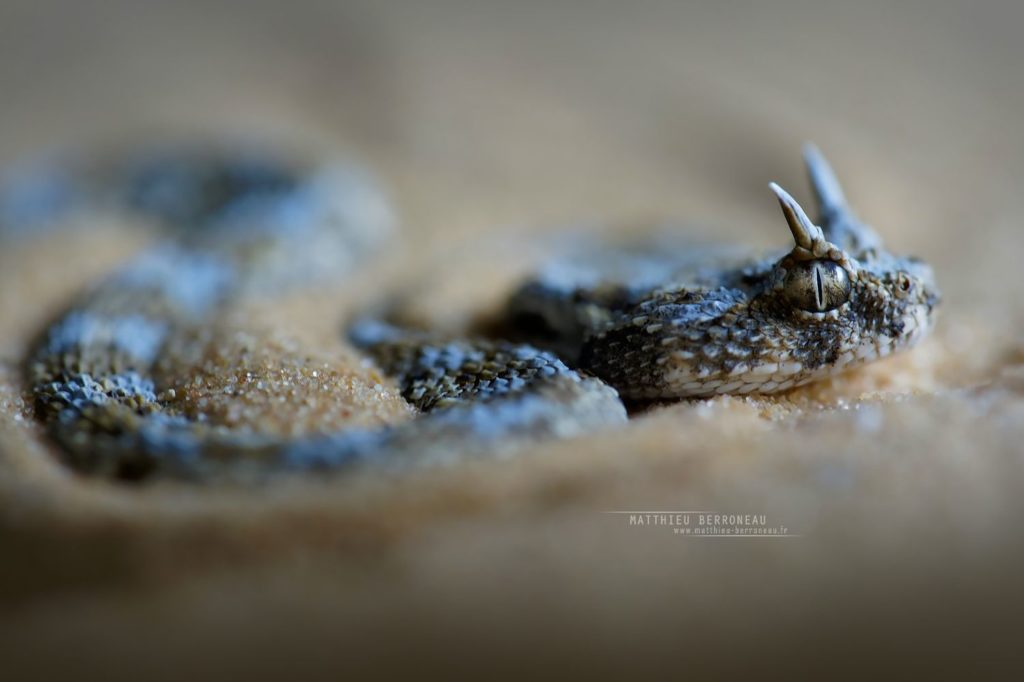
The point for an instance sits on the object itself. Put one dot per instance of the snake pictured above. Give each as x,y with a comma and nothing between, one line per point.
588,334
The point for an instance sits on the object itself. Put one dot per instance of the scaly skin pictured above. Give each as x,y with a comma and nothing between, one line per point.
236,226
654,324
754,325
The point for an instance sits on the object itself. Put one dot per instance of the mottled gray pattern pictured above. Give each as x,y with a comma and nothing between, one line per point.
652,321
238,224
759,324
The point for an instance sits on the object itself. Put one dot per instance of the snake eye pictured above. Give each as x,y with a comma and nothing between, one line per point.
903,284
817,286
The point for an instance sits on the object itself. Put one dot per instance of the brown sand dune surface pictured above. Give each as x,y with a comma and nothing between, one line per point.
489,123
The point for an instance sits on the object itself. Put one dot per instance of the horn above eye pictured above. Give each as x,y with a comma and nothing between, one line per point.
817,286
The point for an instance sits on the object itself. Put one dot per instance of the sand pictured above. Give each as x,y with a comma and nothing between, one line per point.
492,125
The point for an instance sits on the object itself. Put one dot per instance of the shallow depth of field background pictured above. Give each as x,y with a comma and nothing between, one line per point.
487,122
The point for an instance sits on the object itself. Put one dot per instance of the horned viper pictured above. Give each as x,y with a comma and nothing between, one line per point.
637,324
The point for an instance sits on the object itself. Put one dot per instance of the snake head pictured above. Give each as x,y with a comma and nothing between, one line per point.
835,300
838,298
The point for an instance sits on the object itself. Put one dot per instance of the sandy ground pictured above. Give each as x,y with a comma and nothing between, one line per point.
490,122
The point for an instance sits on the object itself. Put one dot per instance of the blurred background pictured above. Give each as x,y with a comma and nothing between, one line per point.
489,118
491,114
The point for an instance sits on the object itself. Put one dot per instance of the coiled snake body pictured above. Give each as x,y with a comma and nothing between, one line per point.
640,324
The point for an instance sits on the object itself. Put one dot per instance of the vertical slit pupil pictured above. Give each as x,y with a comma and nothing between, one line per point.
819,288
